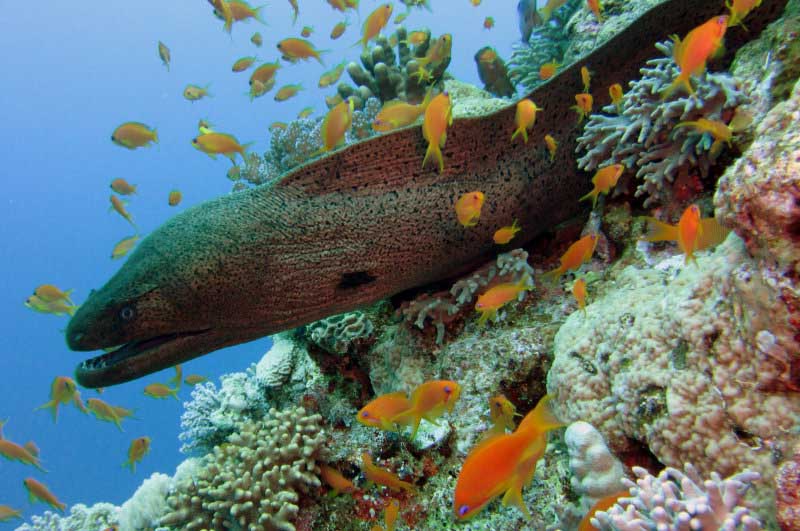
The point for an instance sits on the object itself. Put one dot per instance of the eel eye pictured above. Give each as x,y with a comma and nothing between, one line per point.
464,509
127,313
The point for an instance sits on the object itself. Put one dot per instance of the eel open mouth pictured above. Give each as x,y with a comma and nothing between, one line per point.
137,358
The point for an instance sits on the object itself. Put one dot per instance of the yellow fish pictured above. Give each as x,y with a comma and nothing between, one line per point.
468,208
63,390
134,135
375,22
692,53
305,113
576,254
159,390
739,10
332,76
718,130
174,198
501,413
213,144
106,412
306,31
398,113
335,125
579,292
438,116
163,53
338,29
14,452
383,477
55,307
287,91
604,180
548,70
122,187
295,49
118,205
525,118
243,64
429,401
194,379
51,293
257,39
194,93
505,234
583,105
586,78
138,449
615,91
552,146
498,296
123,247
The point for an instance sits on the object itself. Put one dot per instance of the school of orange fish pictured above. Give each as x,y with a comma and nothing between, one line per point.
505,460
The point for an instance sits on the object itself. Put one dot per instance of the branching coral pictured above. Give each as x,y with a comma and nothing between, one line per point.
643,135
98,517
678,501
254,480
335,334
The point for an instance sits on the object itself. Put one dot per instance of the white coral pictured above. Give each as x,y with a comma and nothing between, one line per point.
596,471
147,505
274,369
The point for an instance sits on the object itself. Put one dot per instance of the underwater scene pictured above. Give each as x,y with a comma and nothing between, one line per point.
433,265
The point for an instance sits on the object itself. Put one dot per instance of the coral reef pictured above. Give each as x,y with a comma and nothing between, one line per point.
275,367
337,333
596,472
255,479
678,501
98,517
787,485
643,136
147,505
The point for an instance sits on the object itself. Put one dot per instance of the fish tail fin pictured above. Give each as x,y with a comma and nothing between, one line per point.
521,130
435,152
155,136
658,231
591,195
541,416
174,393
485,316
257,14
680,82
554,274
52,406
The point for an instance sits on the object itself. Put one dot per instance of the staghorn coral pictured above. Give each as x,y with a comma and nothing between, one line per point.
596,471
337,333
678,501
255,479
643,135
98,517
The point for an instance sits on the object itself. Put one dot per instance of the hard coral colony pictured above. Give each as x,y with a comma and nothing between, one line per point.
677,379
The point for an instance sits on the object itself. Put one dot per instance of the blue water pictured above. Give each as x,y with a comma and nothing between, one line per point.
72,72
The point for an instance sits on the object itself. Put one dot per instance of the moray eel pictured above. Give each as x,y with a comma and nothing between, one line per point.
358,225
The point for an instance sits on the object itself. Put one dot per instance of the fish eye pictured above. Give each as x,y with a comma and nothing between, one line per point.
365,414
127,313
194,141
464,509
113,139
447,389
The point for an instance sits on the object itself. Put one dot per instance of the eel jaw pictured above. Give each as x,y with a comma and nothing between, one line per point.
138,358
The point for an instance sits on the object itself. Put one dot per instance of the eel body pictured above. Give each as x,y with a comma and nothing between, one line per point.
358,225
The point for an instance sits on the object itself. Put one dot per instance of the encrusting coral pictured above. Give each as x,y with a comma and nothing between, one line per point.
255,479
596,472
643,136
678,501
335,334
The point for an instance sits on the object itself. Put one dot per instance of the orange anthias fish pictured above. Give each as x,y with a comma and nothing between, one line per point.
38,491
692,53
583,105
438,51
163,54
335,480
123,247
287,91
294,49
306,31
586,78
195,92
438,116
264,73
241,11
32,448
59,307
604,180
338,30
107,412
134,135
332,76
138,449
336,125
596,8
429,401
397,113
383,477
374,23
719,130
257,39
602,504
122,187
498,296
505,234
174,198
579,252
552,146
194,379
7,513
692,233
615,91
14,452
739,10
243,64
548,70
468,208
159,390
63,390
176,380
213,144
295,11
51,293
118,205
381,410
579,292
501,413
390,515
525,118
222,9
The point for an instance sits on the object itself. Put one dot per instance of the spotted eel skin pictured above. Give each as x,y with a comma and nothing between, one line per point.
360,224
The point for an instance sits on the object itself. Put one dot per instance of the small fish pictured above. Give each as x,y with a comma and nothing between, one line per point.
134,135
243,64
278,126
295,10
194,379
39,492
343,5
287,91
379,412
438,116
32,448
214,144
257,39
122,187
547,11
438,52
604,180
123,247
398,113
51,293
306,31
692,53
118,205
333,100
338,30
383,477
529,18
692,232
525,118
390,515
429,401
194,92
603,504
721,132
579,292
138,449
178,377
401,17
174,198
468,208
505,234
596,8
332,76
583,105
416,38
739,10
159,390
586,78
374,23
498,296
335,480
488,23
552,146
204,126
265,73
501,413
55,307
258,89
576,254
615,91
7,513
335,125
294,50
242,11
106,412
14,452
163,53
548,70
222,9
475,3
305,113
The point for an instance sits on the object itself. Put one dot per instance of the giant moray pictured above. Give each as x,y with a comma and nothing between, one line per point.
358,225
